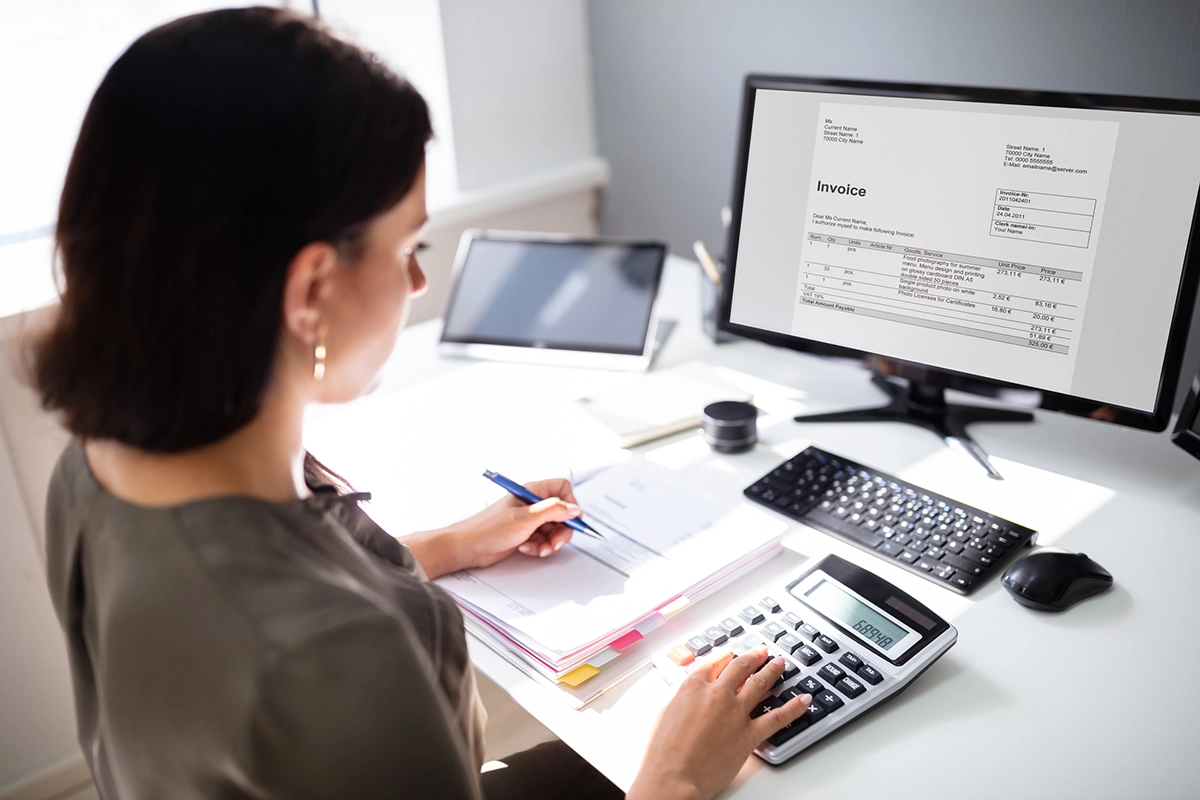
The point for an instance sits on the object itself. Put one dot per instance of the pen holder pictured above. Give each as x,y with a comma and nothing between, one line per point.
710,306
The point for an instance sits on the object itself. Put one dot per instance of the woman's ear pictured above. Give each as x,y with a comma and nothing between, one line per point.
307,286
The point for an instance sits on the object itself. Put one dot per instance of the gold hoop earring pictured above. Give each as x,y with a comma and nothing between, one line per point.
319,358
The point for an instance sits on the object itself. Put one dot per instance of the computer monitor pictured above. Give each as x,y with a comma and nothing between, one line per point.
1032,246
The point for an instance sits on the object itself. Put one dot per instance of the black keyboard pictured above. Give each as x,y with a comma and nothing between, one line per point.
950,543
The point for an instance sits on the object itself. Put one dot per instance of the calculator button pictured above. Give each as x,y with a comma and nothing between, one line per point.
770,605
790,670
807,656
830,701
831,672
808,631
815,713
793,620
773,630
851,661
826,644
782,735
681,655
810,685
850,687
768,704
732,627
717,636
752,615
789,643
698,645
869,674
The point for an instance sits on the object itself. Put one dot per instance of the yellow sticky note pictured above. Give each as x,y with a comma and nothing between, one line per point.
579,675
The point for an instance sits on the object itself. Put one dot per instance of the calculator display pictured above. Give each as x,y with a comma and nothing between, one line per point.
856,615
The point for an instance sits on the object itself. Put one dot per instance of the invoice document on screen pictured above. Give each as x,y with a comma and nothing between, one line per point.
955,238
663,538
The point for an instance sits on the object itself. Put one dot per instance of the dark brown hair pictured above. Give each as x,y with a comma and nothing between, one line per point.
215,148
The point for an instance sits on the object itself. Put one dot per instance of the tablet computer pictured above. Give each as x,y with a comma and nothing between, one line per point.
551,299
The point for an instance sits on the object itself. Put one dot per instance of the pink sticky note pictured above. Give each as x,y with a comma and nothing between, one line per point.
625,641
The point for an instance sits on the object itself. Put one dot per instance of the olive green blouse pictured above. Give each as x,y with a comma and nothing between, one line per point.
236,648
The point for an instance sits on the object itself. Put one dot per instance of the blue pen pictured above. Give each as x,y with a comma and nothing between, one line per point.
524,495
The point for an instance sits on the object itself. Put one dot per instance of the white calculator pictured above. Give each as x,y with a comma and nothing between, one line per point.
848,637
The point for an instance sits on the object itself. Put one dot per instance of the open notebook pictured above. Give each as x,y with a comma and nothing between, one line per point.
667,544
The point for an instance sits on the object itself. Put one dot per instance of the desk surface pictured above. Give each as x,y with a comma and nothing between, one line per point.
1100,701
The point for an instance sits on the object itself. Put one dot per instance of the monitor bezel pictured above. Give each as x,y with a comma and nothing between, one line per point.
1185,299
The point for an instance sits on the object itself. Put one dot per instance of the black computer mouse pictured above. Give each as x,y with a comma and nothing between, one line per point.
1054,580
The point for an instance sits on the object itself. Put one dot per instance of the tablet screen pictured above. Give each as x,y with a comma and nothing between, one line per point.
591,296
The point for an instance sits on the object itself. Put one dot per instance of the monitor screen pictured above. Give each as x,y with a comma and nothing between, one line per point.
1035,244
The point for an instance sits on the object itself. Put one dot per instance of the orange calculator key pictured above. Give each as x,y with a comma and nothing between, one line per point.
681,655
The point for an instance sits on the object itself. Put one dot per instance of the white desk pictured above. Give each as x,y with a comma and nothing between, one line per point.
1100,701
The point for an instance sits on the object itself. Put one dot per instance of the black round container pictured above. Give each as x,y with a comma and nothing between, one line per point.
730,426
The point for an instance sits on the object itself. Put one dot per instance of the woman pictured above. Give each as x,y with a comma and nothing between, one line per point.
237,234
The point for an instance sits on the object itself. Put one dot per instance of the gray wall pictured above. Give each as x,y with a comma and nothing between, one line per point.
668,75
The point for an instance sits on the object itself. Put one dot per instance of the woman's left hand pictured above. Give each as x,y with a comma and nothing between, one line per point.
503,528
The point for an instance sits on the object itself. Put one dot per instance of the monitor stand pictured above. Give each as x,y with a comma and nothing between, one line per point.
921,404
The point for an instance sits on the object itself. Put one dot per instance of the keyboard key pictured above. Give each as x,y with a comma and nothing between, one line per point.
716,636
752,615
909,557
934,553
698,645
793,620
831,672
681,654
769,703
810,685
773,630
851,661
970,567
807,656
789,643
826,644
732,627
945,572
829,701
890,548
808,631
963,581
770,605
925,565
870,674
850,687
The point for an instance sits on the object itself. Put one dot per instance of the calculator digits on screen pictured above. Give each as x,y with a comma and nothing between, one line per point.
848,638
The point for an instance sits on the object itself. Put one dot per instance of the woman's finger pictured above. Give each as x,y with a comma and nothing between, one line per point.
759,684
553,487
742,667
777,719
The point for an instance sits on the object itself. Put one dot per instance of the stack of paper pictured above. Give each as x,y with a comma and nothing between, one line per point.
666,545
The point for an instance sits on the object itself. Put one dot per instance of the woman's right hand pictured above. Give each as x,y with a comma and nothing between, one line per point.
706,733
